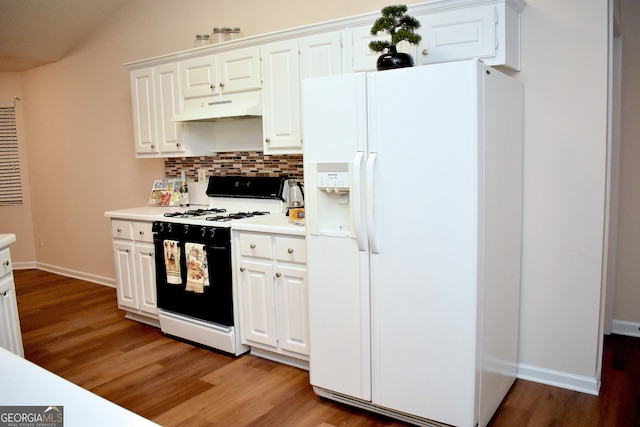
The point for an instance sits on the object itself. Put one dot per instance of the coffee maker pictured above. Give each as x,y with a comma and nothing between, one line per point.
294,196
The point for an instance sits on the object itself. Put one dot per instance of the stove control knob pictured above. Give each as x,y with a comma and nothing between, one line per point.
212,232
169,228
186,229
203,231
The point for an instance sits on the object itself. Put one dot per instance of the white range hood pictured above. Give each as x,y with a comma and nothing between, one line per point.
228,107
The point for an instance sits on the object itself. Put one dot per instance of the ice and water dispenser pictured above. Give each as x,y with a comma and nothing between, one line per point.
329,197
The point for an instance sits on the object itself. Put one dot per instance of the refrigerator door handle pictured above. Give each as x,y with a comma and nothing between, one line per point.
371,162
356,200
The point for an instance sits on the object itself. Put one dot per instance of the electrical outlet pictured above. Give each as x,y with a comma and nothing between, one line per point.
202,175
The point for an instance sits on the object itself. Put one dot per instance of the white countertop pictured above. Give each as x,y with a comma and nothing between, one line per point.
7,239
23,383
147,213
274,223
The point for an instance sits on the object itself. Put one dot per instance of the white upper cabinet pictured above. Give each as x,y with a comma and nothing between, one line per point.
321,55
459,34
155,99
281,98
168,104
227,72
200,76
263,74
240,70
142,101
490,31
285,65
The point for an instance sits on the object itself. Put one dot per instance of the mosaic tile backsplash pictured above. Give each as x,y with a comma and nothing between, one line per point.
247,163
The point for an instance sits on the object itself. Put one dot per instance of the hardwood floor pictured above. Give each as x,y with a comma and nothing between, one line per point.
74,329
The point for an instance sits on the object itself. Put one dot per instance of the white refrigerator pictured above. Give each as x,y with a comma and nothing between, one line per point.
413,196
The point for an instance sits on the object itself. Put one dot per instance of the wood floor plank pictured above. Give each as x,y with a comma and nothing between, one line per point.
74,329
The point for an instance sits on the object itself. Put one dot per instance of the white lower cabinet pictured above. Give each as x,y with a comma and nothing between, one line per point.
10,334
272,293
135,269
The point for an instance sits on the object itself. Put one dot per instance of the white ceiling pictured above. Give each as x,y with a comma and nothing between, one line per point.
37,32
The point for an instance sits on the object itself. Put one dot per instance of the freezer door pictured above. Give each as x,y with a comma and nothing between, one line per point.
338,259
339,316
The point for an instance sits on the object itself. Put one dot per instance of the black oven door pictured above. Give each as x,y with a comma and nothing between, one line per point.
212,302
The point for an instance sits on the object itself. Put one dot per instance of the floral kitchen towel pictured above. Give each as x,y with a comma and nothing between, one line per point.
197,267
172,262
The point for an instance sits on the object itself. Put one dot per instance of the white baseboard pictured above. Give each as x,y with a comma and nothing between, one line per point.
100,280
621,327
589,385
24,265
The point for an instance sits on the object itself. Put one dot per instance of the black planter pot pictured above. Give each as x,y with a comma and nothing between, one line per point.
393,59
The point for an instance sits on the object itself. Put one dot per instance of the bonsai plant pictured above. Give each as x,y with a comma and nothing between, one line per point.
399,26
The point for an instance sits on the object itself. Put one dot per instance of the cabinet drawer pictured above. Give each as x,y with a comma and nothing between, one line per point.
291,249
5,262
255,245
121,229
142,232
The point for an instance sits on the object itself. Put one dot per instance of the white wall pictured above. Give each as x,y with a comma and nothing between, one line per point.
627,297
18,219
564,71
81,159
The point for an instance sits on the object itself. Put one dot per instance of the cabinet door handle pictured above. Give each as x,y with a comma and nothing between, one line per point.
119,230
290,250
241,268
150,253
4,293
6,263
252,246
153,146
221,85
278,274
268,140
212,86
128,250
141,232
425,52
178,144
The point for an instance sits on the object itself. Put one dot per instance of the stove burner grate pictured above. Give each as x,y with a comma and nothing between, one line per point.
236,215
192,213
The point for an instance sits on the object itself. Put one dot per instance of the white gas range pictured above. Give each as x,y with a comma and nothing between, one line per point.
193,259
